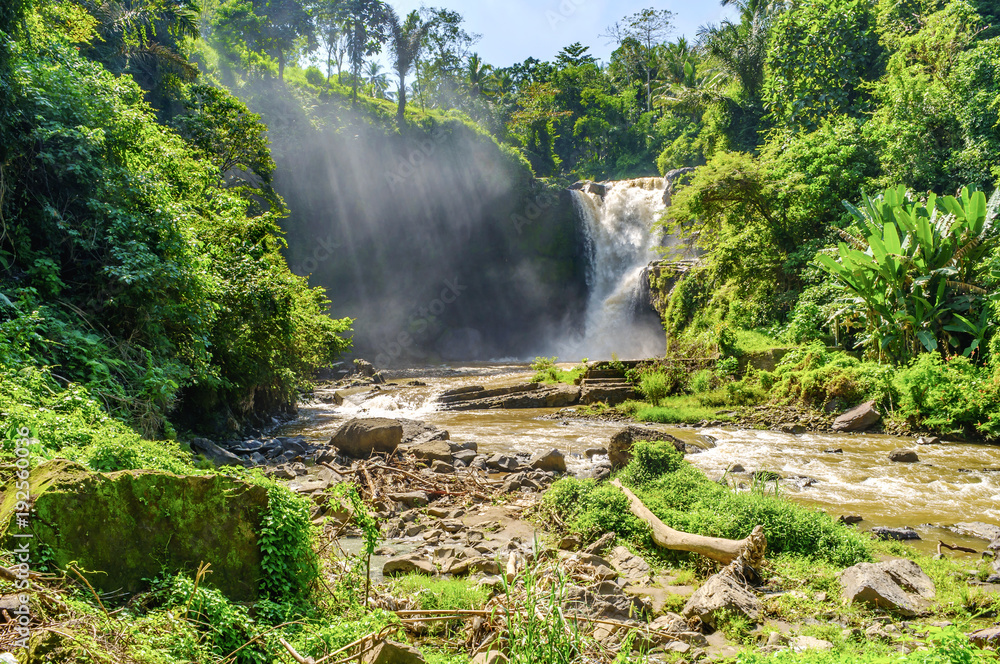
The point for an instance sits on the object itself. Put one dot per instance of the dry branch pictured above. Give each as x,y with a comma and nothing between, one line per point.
724,551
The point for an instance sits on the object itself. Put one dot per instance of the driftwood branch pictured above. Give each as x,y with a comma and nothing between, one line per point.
724,551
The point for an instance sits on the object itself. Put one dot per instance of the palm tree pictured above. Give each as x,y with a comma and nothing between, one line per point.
476,74
406,40
741,48
378,80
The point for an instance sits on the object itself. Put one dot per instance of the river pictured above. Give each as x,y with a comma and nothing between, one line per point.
952,482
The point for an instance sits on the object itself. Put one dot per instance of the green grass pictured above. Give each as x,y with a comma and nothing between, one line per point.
754,341
681,409
433,594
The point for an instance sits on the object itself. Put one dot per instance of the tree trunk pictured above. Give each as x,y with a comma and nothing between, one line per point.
401,113
722,550
281,65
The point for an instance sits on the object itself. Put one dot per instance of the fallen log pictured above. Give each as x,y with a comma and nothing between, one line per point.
724,551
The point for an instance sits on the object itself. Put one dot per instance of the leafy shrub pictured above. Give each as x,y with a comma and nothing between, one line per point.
701,381
651,460
228,625
951,396
288,561
656,386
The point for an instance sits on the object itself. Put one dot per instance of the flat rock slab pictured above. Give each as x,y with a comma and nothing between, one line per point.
409,564
438,450
552,461
391,652
986,531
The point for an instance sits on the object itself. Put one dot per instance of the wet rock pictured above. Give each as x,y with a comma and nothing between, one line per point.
928,440
601,472
901,534
899,586
796,429
722,592
708,441
411,498
360,438
418,433
904,456
620,448
408,564
442,467
857,419
596,451
569,543
437,450
479,463
503,463
552,461
836,451
986,531
803,643
692,449
215,454
737,468
391,652
282,472
561,396
258,459
850,519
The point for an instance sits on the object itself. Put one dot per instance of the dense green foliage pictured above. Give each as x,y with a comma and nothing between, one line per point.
685,499
141,261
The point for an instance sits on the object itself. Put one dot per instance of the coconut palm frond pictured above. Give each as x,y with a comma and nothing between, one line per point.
967,288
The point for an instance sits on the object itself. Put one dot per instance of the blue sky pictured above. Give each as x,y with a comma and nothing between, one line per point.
513,30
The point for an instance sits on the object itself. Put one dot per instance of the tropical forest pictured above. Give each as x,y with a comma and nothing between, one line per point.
454,332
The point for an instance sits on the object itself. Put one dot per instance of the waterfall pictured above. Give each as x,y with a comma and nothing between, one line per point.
618,228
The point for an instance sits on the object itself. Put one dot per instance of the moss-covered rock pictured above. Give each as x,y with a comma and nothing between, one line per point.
124,528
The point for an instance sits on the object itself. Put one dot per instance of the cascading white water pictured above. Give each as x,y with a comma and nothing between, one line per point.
621,243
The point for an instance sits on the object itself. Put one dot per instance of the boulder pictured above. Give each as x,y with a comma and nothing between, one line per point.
411,498
861,418
408,564
630,566
596,451
928,440
490,657
360,438
391,652
722,592
415,432
552,461
437,450
561,396
796,428
986,638
904,456
620,448
899,586
503,462
130,526
442,467
215,454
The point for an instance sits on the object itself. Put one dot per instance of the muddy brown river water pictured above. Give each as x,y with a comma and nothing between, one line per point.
952,482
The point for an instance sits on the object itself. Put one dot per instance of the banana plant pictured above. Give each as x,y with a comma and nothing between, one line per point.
912,267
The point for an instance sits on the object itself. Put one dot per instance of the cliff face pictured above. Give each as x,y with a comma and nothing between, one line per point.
438,241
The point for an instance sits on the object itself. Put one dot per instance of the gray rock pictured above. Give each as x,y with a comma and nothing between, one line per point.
391,652
985,531
986,638
465,456
437,450
803,643
796,429
416,433
552,461
491,657
900,534
442,467
722,592
904,456
360,438
408,564
928,440
737,468
620,448
503,462
861,418
595,451
215,454
411,498
899,586
630,566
